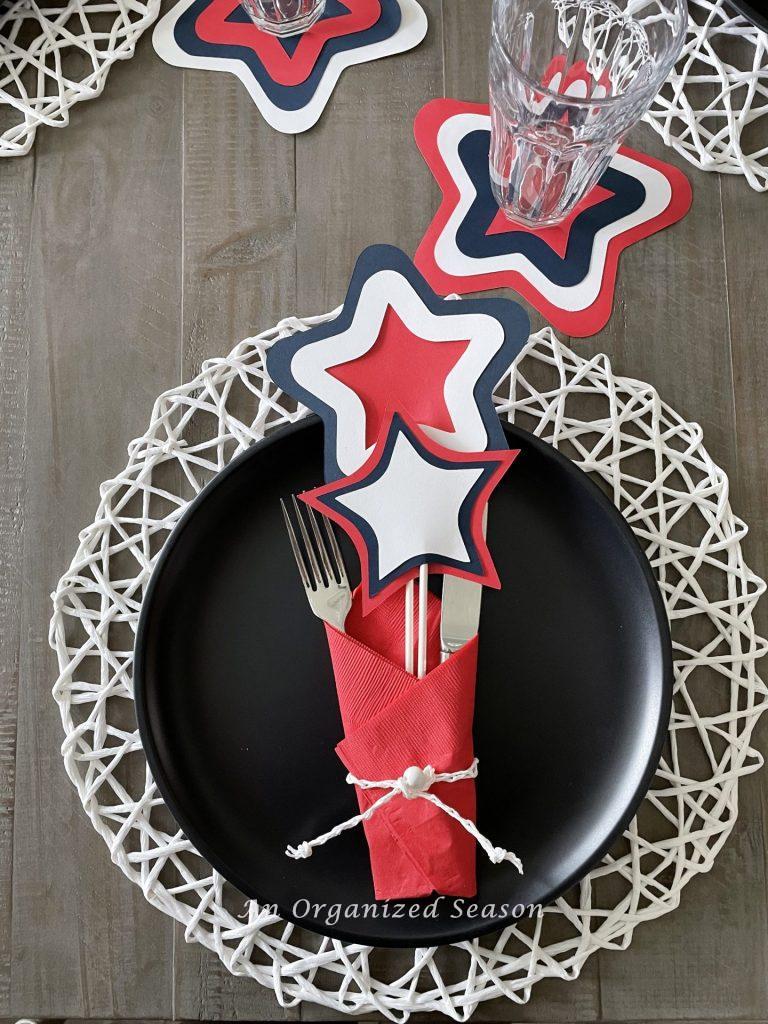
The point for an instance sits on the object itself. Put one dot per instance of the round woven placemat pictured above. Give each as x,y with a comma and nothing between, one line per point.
54,55
654,466
712,108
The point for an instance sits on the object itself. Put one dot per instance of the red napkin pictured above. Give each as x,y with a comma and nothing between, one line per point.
393,721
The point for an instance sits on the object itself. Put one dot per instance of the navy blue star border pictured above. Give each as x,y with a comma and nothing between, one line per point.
509,314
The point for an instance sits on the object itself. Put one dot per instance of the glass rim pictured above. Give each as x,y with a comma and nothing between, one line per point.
600,101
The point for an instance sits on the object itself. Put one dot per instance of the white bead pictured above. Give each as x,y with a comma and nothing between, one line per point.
414,777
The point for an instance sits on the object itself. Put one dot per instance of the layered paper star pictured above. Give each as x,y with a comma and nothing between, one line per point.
290,79
413,503
396,346
567,272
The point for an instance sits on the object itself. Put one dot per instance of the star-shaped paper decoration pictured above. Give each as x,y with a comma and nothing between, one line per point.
377,377
413,503
396,346
290,79
567,272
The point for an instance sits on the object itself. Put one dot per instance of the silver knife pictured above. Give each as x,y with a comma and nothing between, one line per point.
460,615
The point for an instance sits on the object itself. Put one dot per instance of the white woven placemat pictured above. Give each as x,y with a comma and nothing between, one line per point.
653,464
712,107
55,55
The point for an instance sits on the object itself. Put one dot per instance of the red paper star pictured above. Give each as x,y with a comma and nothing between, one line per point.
401,372
557,235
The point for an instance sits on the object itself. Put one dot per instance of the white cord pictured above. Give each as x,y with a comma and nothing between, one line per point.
413,784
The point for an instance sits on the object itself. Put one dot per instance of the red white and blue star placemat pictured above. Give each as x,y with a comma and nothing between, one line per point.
290,79
567,272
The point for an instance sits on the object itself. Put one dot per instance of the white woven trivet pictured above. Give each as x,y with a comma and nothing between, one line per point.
39,46
656,469
710,109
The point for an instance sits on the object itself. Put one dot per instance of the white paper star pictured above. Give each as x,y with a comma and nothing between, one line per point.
428,498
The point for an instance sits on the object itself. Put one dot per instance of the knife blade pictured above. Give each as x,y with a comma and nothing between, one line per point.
460,616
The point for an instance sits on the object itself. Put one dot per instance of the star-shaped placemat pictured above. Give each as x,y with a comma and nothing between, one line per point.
415,502
289,79
396,346
567,272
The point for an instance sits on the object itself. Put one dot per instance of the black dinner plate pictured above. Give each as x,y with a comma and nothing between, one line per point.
756,13
239,718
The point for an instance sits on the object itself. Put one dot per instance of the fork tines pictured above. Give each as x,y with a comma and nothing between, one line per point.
319,560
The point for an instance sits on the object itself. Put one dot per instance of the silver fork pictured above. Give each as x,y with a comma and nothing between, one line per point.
321,566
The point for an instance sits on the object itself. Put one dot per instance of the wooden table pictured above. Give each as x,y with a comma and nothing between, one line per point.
164,224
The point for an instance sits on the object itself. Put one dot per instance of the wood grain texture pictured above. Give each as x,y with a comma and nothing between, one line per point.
524,1020
239,253
359,176
239,277
165,224
15,189
466,31
309,1020
670,327
104,297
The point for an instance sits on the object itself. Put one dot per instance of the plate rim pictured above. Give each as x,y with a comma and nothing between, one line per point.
751,13
217,862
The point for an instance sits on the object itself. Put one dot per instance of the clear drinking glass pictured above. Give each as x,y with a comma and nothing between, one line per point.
567,80
284,17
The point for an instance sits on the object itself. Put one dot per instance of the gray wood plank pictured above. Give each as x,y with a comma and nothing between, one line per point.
359,177
109,307
15,191
670,327
525,1020
746,224
466,32
239,279
239,218
678,340
104,296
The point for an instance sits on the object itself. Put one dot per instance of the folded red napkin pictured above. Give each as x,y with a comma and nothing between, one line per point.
394,721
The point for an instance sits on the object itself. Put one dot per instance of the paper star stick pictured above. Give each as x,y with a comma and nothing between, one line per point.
415,503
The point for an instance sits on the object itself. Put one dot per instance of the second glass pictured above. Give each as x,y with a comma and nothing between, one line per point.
567,80
284,17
